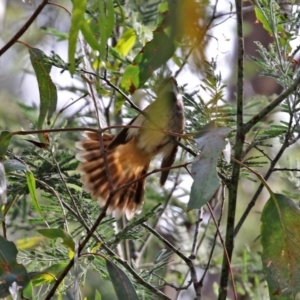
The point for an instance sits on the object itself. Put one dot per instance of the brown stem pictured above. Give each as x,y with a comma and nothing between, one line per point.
24,28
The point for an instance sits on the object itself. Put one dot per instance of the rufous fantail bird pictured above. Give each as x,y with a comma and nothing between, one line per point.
128,153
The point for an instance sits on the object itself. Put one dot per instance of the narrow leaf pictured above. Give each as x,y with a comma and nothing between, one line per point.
59,233
47,89
89,36
260,16
5,137
280,239
48,275
76,23
102,28
110,17
30,242
123,286
32,190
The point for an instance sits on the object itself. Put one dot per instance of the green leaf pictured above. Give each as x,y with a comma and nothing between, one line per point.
89,36
123,286
106,24
280,239
76,24
260,16
204,169
30,243
32,190
110,17
48,275
13,276
47,89
59,233
154,54
12,165
97,295
126,42
61,36
5,137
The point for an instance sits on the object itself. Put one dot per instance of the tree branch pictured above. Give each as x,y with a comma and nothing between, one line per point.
24,28
238,150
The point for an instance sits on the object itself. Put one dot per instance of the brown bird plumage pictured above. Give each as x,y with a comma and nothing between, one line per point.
130,151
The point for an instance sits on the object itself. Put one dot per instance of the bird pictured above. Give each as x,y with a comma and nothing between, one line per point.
129,152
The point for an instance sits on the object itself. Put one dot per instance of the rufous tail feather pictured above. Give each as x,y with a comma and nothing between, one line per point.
125,164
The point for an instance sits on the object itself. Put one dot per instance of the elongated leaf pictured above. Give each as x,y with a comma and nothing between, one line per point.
280,238
204,168
13,276
262,18
32,190
76,23
89,36
30,243
47,89
106,23
122,284
48,275
3,187
59,233
5,137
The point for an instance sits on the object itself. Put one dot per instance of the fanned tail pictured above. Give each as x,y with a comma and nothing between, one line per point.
125,165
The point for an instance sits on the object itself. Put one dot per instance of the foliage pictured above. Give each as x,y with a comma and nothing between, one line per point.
65,245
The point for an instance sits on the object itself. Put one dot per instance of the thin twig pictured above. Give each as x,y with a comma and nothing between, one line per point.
189,262
80,248
197,225
24,28
222,188
148,238
225,251
257,118
266,177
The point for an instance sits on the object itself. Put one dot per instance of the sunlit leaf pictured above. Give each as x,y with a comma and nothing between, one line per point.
204,169
123,286
30,242
97,295
48,275
13,276
262,19
126,42
280,238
